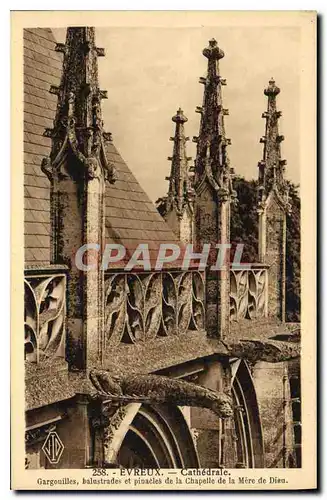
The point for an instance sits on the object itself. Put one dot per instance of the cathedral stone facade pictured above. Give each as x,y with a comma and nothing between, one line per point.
144,368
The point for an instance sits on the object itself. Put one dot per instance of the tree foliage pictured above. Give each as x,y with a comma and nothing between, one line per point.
244,219
293,257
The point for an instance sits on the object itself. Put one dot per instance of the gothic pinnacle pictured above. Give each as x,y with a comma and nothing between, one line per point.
271,167
212,160
179,117
272,89
179,180
78,124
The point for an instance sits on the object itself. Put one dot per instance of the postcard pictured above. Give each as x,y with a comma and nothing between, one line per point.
163,250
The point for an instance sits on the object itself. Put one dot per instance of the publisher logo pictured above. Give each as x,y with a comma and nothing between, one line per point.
53,447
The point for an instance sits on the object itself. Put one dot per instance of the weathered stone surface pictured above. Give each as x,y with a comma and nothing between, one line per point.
214,435
162,352
83,193
208,444
249,293
78,169
47,383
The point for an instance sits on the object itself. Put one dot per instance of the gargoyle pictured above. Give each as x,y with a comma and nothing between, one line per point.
159,389
272,351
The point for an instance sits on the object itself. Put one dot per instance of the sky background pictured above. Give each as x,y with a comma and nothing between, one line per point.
150,72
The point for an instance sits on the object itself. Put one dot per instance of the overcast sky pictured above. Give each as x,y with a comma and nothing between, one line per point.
149,73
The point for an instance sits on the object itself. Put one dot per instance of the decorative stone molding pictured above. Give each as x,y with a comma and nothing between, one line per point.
273,206
78,169
140,307
180,193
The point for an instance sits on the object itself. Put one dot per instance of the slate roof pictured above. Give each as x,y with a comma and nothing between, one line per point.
42,68
131,217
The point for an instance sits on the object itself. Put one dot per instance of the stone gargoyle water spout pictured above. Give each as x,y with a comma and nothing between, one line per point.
158,389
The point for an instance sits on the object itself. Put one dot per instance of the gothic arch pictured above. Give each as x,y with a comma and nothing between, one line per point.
156,436
249,443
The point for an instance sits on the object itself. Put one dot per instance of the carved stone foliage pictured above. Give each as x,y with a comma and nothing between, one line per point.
248,294
44,324
140,307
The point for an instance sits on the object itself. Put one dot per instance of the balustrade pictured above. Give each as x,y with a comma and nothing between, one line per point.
143,306
138,306
248,293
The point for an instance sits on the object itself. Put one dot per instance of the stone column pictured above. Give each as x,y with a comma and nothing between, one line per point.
78,169
80,222
214,437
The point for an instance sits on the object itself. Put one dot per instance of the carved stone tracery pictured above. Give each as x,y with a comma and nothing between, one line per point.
45,313
140,307
248,294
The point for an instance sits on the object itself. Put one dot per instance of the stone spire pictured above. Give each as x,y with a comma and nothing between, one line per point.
212,162
272,167
213,192
179,205
78,170
273,206
78,126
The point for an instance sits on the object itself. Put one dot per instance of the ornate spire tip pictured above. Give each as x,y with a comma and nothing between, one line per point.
213,51
179,117
272,89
